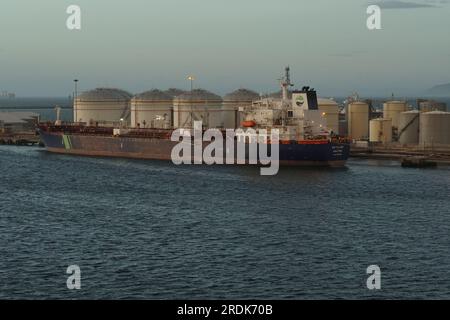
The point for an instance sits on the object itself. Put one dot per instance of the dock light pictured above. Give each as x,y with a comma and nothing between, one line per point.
324,114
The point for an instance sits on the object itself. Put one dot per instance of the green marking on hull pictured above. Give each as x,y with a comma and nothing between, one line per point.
67,142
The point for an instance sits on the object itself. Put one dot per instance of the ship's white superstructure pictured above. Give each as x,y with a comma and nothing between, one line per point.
296,117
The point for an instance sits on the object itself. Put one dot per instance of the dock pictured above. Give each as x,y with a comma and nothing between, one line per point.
20,139
440,156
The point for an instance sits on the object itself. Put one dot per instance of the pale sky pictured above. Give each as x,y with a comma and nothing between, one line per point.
226,44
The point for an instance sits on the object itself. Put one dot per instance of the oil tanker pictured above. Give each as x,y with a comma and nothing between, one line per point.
304,139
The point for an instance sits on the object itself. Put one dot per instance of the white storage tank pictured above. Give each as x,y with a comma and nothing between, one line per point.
330,111
392,110
358,120
241,98
198,105
102,105
152,109
435,129
409,124
174,92
381,130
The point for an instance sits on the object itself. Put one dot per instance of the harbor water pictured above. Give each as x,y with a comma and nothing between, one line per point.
153,230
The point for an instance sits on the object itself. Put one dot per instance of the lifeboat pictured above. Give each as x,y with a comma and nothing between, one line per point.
249,124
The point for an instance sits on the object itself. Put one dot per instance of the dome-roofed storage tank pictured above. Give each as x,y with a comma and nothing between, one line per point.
435,129
198,105
392,110
408,130
330,111
240,98
102,105
358,120
152,109
279,94
174,92
381,130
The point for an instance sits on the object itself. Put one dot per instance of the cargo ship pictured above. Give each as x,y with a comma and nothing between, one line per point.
303,137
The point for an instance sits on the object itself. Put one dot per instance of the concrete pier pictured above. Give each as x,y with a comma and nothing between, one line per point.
19,139
439,155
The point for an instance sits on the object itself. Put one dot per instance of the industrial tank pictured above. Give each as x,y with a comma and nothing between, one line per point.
152,109
198,105
102,105
381,130
174,92
279,94
392,110
431,105
435,128
241,98
408,130
358,120
330,111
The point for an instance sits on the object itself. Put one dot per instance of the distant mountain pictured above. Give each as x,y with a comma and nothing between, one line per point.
440,90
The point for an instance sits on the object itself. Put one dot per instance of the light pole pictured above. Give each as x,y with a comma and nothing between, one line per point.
75,100
191,79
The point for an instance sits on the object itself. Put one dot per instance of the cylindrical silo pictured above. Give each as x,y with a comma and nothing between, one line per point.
435,129
198,105
241,98
358,120
431,105
151,109
381,130
330,111
392,110
102,105
408,130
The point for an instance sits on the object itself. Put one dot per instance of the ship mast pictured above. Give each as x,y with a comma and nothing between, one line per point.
286,83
